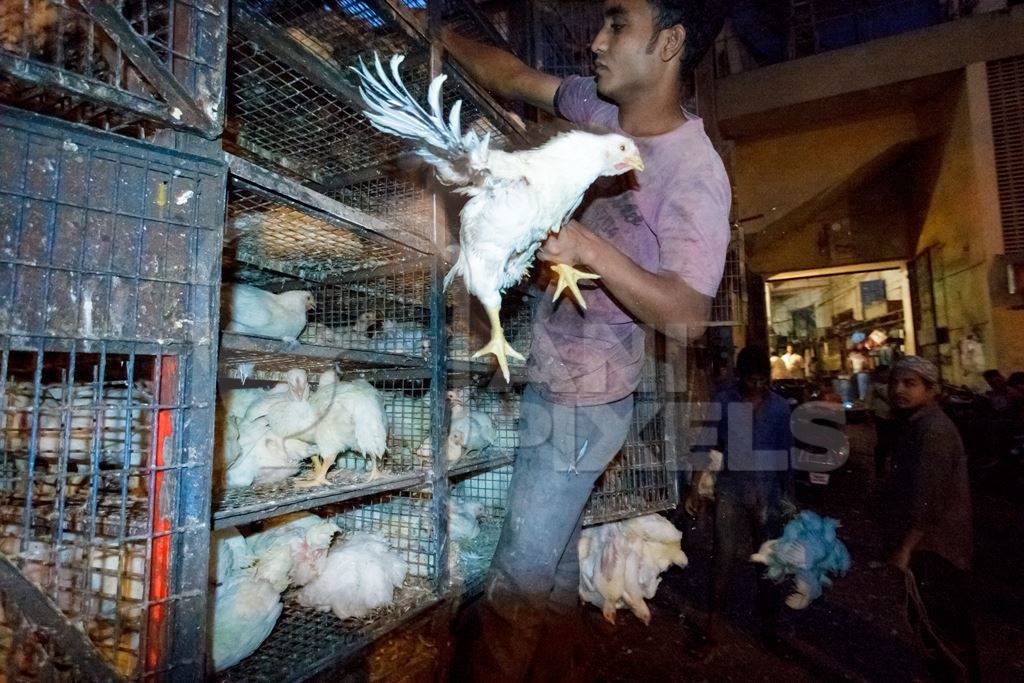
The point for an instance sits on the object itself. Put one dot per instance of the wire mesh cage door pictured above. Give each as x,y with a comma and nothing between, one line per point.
109,278
642,477
114,64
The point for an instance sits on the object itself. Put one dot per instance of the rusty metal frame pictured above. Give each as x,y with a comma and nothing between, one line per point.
185,109
43,614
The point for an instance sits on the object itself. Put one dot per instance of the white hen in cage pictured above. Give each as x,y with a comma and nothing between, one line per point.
360,574
251,310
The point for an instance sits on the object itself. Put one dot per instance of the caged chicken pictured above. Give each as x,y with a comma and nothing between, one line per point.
247,452
108,424
337,417
251,310
292,549
621,563
516,198
471,431
245,605
360,574
352,418
464,518
409,338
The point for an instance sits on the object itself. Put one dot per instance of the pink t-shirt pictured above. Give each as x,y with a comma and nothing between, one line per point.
676,220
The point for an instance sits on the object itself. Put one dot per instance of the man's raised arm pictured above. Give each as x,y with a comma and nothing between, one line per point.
502,73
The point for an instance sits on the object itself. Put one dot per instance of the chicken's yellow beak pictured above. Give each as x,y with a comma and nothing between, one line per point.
635,162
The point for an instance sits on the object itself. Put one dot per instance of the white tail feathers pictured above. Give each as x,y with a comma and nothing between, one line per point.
391,108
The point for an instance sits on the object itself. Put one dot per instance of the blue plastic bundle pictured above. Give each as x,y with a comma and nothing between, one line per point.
809,552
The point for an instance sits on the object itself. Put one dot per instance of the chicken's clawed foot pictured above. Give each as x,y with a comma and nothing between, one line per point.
497,345
319,475
567,279
375,473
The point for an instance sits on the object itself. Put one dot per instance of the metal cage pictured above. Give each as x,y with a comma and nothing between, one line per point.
641,479
294,104
133,63
306,641
470,557
728,307
108,303
564,30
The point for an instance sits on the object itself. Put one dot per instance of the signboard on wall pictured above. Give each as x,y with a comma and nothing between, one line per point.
872,292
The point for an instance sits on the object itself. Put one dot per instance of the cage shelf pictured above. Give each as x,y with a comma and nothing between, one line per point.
305,641
242,506
280,222
490,459
268,359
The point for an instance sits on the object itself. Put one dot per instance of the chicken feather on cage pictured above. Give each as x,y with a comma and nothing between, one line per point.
516,198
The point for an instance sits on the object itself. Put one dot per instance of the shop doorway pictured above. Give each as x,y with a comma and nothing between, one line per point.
834,327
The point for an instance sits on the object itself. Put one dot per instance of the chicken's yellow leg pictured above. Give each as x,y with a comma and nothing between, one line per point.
319,475
567,279
375,472
498,346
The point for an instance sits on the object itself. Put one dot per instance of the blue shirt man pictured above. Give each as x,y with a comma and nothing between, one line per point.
755,437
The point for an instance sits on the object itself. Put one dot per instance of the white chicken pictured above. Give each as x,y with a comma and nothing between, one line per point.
250,310
246,605
245,610
110,422
356,335
229,554
361,574
409,338
291,548
516,198
352,418
247,451
470,430
621,563
464,518
264,458
287,408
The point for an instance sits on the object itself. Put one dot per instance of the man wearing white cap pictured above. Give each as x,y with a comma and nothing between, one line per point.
931,510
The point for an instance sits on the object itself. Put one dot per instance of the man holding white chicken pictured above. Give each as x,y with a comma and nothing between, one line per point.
657,244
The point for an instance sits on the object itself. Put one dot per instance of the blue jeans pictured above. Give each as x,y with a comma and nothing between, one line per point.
745,510
534,577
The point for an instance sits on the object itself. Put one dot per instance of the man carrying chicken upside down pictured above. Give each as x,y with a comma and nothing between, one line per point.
658,246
